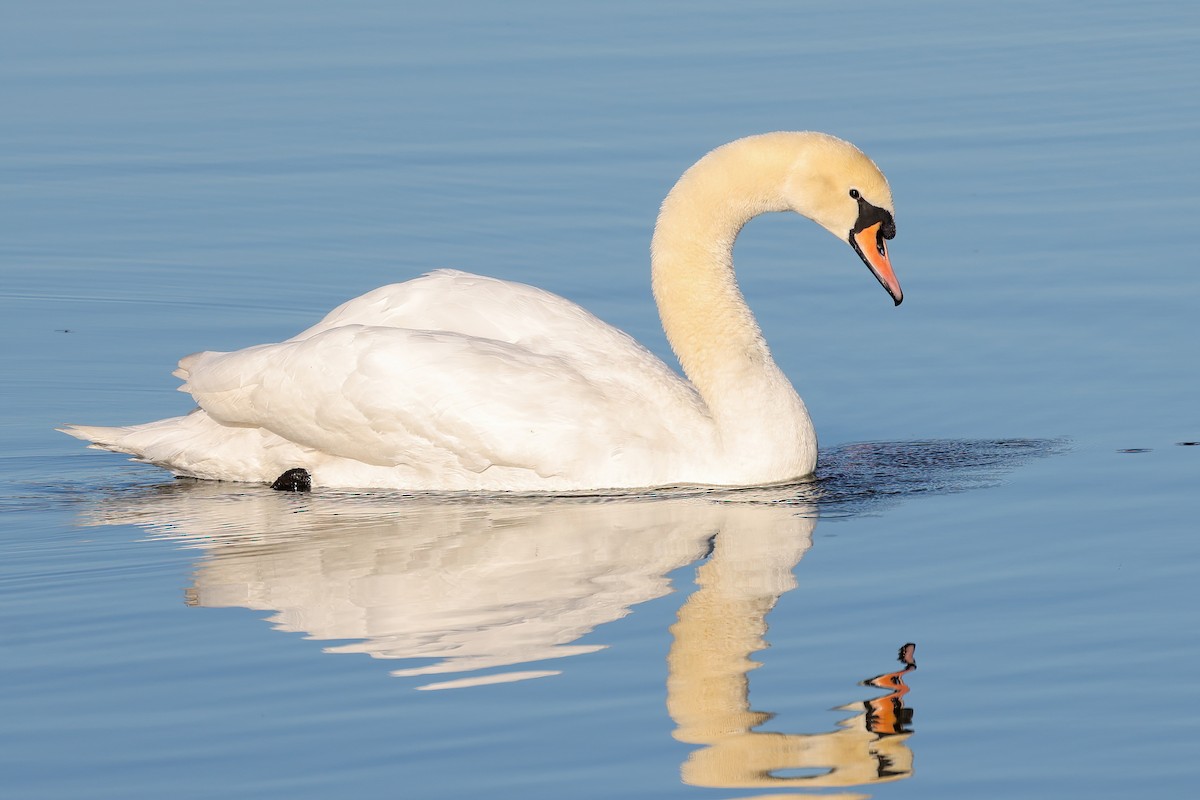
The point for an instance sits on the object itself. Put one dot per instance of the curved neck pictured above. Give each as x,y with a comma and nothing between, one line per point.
705,317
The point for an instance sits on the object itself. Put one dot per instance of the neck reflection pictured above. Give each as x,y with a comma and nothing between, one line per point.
720,626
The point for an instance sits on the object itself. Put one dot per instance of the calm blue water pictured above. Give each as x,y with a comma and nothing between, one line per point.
210,176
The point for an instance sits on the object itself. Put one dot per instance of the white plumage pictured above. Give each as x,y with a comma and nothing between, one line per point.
454,381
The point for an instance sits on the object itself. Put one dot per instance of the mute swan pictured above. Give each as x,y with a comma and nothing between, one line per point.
454,381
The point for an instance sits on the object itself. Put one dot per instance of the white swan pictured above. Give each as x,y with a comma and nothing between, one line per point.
453,381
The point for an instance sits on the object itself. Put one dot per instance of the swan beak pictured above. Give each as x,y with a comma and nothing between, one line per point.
869,245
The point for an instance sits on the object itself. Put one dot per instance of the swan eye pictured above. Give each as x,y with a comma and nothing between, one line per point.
854,193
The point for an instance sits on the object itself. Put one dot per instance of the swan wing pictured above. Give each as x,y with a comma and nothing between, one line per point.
435,403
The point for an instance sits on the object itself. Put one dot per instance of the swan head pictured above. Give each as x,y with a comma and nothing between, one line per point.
834,184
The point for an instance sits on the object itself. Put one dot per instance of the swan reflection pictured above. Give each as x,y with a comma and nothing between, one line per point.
492,588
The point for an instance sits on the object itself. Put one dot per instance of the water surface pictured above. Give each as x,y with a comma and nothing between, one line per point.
1005,480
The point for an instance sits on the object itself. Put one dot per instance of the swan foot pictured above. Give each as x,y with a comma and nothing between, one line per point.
294,480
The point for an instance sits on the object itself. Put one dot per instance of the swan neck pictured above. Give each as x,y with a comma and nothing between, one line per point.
705,317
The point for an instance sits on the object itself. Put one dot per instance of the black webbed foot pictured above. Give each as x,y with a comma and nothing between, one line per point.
294,480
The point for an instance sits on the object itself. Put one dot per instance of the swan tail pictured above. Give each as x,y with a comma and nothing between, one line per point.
98,437
139,441
184,445
197,446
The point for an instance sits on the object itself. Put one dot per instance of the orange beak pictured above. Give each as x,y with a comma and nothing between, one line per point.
869,245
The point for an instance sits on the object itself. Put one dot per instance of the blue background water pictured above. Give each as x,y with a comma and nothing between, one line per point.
209,176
